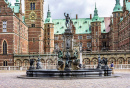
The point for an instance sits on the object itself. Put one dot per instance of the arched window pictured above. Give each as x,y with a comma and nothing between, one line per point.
4,47
32,5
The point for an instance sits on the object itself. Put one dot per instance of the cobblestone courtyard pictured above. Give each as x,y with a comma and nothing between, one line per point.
8,79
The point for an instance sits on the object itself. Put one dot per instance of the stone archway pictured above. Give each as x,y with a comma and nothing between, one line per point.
86,61
120,60
42,61
18,62
94,61
49,61
25,62
55,61
112,59
128,60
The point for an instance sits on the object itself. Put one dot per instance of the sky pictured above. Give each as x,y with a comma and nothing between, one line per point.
81,7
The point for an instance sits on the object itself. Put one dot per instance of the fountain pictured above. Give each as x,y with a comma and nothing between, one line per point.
68,63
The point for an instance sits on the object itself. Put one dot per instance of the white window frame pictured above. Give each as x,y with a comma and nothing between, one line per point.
80,37
4,26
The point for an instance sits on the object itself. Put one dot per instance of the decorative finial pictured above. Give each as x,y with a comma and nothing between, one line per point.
95,5
48,8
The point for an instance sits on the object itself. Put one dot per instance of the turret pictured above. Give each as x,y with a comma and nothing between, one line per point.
96,31
48,34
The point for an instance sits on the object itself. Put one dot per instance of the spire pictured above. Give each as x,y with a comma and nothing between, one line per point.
95,18
95,11
117,2
48,13
48,19
48,8
117,6
95,6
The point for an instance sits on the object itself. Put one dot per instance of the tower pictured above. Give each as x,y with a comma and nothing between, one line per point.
96,31
49,34
18,4
35,21
117,13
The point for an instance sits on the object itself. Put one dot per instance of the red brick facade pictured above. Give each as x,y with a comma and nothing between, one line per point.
35,21
120,30
30,36
15,36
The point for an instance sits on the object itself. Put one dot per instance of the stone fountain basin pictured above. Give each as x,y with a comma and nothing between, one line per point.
68,73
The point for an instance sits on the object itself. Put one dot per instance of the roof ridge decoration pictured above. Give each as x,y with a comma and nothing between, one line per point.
117,6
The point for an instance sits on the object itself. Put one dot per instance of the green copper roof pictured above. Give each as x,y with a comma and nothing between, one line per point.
128,6
23,19
117,6
17,0
16,8
82,25
48,19
96,17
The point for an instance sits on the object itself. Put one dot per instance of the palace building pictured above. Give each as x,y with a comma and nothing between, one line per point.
26,35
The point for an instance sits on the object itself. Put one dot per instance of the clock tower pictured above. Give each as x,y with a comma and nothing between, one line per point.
35,21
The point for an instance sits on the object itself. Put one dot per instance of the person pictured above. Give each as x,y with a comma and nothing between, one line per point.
112,67
67,19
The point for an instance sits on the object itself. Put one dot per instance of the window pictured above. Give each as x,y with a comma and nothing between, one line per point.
56,38
80,37
56,45
96,33
48,43
104,44
115,14
32,6
5,63
88,44
104,36
88,36
4,47
4,26
0,10
33,39
62,45
48,33
80,44
33,25
118,14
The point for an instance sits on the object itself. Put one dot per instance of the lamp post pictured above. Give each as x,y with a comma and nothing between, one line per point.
39,46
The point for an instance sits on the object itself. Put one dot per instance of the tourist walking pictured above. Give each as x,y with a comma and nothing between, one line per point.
112,67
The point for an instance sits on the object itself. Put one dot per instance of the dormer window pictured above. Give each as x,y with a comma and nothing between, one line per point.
57,22
75,22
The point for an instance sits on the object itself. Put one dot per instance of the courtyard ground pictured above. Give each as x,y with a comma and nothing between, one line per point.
8,79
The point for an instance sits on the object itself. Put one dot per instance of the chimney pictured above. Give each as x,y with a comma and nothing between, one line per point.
90,16
76,16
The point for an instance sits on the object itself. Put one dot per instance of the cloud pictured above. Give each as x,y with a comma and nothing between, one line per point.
81,7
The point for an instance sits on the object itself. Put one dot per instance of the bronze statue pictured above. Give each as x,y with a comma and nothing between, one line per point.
67,23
